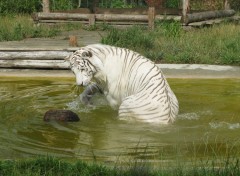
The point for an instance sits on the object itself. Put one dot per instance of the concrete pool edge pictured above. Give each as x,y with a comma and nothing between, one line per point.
169,70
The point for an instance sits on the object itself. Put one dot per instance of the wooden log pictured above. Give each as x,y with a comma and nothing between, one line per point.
32,55
60,16
27,49
168,17
206,23
62,21
144,22
43,64
101,17
121,17
201,16
127,23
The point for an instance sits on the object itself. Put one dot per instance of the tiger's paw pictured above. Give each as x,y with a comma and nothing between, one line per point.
86,99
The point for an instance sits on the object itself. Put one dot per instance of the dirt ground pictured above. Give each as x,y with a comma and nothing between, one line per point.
84,37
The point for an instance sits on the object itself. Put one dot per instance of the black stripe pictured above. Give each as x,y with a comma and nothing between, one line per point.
136,107
167,114
145,75
132,63
100,50
108,49
157,86
135,80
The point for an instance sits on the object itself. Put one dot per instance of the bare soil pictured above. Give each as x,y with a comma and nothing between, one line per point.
84,37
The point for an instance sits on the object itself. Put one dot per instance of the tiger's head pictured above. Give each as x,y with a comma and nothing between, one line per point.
81,66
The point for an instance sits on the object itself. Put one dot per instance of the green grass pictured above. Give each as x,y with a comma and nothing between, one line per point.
220,159
51,166
169,43
18,27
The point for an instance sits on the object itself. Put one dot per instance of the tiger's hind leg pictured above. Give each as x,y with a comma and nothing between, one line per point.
88,93
128,108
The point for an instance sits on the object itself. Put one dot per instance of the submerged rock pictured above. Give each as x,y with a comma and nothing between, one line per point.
61,115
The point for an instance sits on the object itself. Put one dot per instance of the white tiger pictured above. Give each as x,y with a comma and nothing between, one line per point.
131,82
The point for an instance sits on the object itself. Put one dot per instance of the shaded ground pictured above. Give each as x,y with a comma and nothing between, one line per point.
60,42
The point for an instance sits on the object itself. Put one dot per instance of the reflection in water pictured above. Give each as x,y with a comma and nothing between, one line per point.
209,118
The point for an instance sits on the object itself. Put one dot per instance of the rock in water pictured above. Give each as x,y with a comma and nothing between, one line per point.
61,115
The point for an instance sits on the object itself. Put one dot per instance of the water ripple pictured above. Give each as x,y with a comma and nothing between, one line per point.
224,125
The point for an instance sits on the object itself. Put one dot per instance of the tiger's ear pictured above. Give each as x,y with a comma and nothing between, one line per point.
87,54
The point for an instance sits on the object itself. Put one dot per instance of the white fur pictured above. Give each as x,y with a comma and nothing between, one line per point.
131,83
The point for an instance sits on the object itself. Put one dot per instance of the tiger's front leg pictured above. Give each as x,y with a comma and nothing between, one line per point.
88,93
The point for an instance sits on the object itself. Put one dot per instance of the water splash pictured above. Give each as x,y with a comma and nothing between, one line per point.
224,125
77,105
194,115
189,116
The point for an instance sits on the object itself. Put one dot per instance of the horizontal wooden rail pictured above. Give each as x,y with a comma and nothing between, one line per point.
34,64
32,55
60,16
92,18
42,59
202,16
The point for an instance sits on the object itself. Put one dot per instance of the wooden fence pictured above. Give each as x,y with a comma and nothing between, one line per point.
133,16
34,59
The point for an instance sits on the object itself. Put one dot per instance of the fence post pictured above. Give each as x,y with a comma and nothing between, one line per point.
45,4
151,17
185,10
226,5
92,20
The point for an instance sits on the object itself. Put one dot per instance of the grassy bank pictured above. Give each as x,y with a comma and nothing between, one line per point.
50,166
18,27
170,43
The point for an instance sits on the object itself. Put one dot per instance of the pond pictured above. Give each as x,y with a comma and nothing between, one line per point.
208,122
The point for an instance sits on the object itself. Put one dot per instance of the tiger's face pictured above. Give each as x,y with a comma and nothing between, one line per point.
82,67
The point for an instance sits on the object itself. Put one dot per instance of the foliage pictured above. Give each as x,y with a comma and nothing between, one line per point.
169,43
18,27
135,38
19,6
172,3
63,4
115,4
235,4
30,6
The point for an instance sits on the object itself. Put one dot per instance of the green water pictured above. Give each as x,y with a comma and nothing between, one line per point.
208,123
